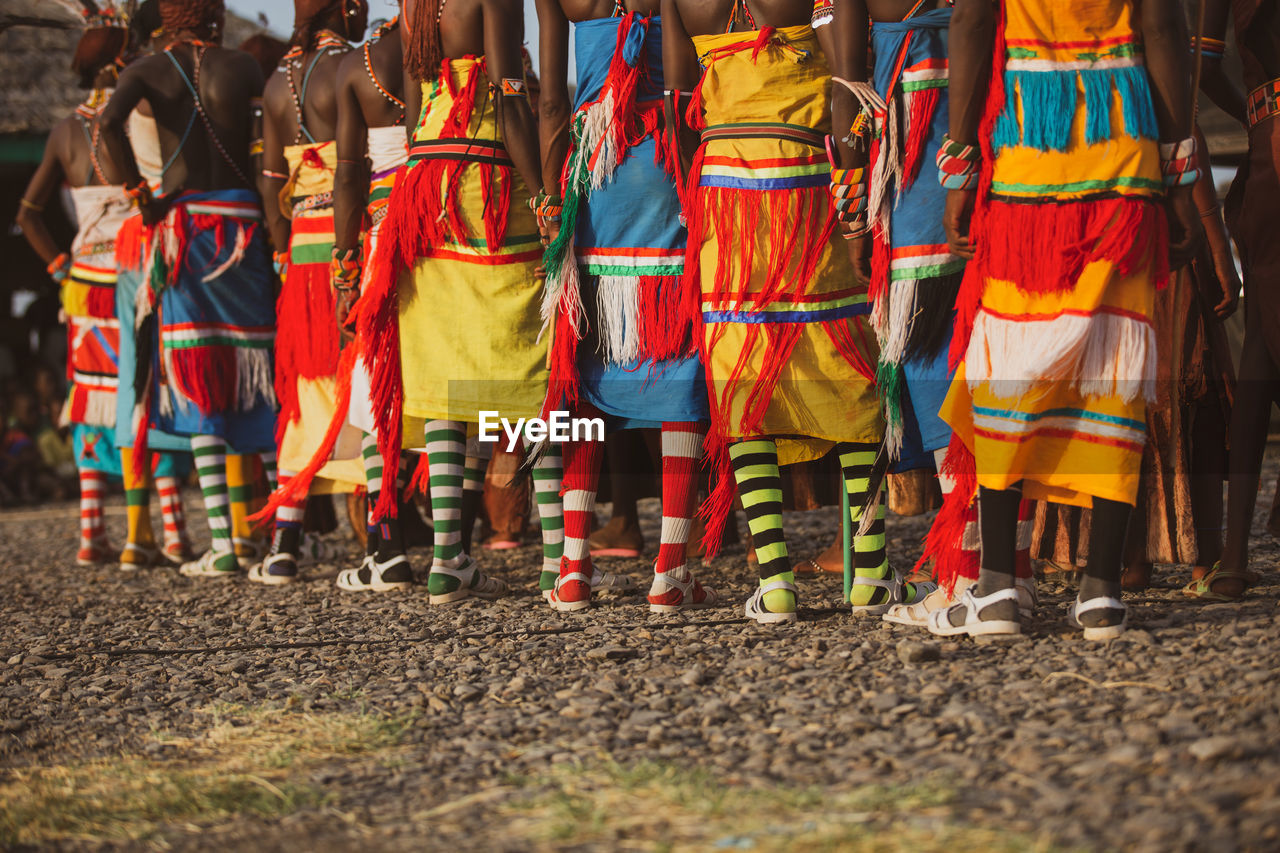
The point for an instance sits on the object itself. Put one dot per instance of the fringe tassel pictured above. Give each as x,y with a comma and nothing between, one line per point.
666,318
921,106
1056,96
307,339
944,543
129,242
100,302
200,375
419,483
297,487
618,316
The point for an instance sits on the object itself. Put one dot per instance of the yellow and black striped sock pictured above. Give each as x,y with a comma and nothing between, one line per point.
857,461
755,467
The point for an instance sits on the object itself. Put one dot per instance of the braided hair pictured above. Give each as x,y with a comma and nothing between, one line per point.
425,51
203,16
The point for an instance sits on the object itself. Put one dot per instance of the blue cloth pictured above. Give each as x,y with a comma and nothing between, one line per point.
96,450
638,208
916,221
127,284
242,296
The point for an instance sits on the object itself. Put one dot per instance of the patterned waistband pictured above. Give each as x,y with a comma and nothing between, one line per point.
765,130
1263,103
470,150
301,204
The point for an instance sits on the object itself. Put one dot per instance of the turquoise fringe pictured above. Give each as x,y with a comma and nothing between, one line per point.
1054,96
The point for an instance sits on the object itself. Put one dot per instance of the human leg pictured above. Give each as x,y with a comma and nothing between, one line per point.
755,468
674,587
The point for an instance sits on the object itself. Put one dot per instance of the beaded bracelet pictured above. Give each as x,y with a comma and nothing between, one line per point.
547,208
139,193
849,193
59,268
958,165
344,269
1210,48
280,261
1178,163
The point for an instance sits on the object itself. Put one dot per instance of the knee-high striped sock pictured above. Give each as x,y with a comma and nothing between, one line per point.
269,469
446,446
289,515
1022,552
240,477
175,522
548,474
869,557
384,536
474,465
578,490
93,485
211,468
681,450
755,468
137,499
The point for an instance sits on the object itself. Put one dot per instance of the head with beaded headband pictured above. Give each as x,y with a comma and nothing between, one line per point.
347,18
204,18
104,43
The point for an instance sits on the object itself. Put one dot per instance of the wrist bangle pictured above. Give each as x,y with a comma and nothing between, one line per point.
59,267
1178,163
958,165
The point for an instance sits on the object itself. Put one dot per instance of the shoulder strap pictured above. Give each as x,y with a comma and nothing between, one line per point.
740,6
197,109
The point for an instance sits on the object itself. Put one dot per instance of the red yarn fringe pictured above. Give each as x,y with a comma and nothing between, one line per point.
420,482
943,542
295,489
307,338
206,375
923,104
129,243
101,302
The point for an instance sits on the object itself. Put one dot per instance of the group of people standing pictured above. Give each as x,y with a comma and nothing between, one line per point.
910,235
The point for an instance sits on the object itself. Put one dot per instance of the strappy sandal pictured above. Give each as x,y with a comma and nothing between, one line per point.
897,593
577,600
136,556
212,564
1028,596
472,584
275,570
95,552
917,615
755,608
692,595
1203,590
249,552
611,583
373,576
1101,633
974,625
177,552
316,550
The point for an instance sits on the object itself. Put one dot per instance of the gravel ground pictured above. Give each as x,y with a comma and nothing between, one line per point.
1164,740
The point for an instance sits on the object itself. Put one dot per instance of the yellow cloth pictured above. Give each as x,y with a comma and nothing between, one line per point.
469,315
819,397
345,470
1053,385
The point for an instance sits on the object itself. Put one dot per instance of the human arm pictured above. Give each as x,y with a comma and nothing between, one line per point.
275,168
848,33
351,176
681,71
1222,290
971,38
131,89
554,108
516,124
1164,41
1214,80
48,177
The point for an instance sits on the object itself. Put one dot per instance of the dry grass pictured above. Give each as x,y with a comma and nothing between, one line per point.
249,762
659,807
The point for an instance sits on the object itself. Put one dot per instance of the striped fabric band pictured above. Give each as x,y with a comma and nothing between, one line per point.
919,262
1072,424
1092,55
470,150
837,306
1263,103
92,276
187,335
781,173
232,210
765,130
927,74
631,262
1210,48
301,204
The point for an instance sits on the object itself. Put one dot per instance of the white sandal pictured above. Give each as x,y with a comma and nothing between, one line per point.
473,583
917,615
687,588
973,625
611,583
255,551
896,587
755,607
1101,633
371,576
559,604
263,572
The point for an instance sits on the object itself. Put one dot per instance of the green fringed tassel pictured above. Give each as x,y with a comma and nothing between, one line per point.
575,185
889,381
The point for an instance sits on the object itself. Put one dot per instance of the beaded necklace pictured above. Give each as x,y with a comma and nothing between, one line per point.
741,6
368,64
324,42
198,50
89,111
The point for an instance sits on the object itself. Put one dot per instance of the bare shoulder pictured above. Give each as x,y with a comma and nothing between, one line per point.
512,8
351,71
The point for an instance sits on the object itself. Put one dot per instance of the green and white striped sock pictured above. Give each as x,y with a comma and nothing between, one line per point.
547,474
446,448
210,454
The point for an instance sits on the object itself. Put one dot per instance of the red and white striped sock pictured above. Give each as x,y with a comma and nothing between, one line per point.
175,523
93,485
1022,552
681,452
578,488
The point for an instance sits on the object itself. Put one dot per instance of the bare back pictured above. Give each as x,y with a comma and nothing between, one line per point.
590,10
300,102
206,145
375,72
704,17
